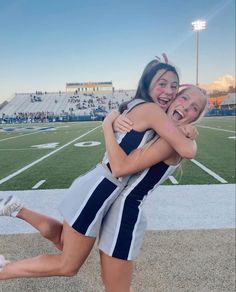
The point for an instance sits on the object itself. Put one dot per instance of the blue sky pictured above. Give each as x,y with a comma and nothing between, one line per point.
46,43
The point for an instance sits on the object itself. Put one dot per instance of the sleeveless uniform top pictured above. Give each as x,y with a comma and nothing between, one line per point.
131,140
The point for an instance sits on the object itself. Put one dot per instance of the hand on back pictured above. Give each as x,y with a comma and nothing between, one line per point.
122,124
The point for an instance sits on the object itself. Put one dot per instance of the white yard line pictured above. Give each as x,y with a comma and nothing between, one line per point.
44,157
173,180
210,172
9,138
218,129
38,184
19,149
35,132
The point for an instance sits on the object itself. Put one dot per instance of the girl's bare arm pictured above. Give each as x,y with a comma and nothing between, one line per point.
140,159
150,115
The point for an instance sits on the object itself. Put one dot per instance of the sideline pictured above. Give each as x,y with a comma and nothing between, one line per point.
44,157
175,207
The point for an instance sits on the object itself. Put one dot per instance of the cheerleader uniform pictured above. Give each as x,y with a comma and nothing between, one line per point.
90,196
124,225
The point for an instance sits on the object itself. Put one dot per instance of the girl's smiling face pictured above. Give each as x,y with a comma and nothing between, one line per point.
163,88
187,106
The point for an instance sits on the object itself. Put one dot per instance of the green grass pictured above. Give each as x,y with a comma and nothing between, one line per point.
226,123
215,150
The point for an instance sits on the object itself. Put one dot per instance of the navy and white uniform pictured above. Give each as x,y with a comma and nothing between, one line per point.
124,225
91,195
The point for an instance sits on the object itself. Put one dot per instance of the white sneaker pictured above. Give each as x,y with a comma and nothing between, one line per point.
3,262
10,206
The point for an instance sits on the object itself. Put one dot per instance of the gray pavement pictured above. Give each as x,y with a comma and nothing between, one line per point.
170,261
189,245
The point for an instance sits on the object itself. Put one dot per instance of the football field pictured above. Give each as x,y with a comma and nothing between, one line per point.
51,156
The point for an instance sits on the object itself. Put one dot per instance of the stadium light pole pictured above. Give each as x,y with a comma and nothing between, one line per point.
197,26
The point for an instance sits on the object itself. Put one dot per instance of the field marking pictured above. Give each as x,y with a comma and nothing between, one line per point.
216,129
210,172
36,131
21,135
173,180
87,144
52,145
234,138
44,157
20,149
38,184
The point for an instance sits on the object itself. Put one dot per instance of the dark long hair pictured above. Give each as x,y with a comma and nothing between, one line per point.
144,83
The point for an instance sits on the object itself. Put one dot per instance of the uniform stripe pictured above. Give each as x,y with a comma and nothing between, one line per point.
131,141
119,219
135,235
152,177
96,200
129,218
102,212
130,213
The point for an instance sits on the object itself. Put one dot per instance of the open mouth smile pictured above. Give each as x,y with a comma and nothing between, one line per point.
178,115
163,101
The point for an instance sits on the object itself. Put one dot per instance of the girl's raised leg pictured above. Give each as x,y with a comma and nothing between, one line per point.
48,227
76,249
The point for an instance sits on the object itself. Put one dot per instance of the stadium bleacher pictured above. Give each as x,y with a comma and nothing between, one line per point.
58,106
